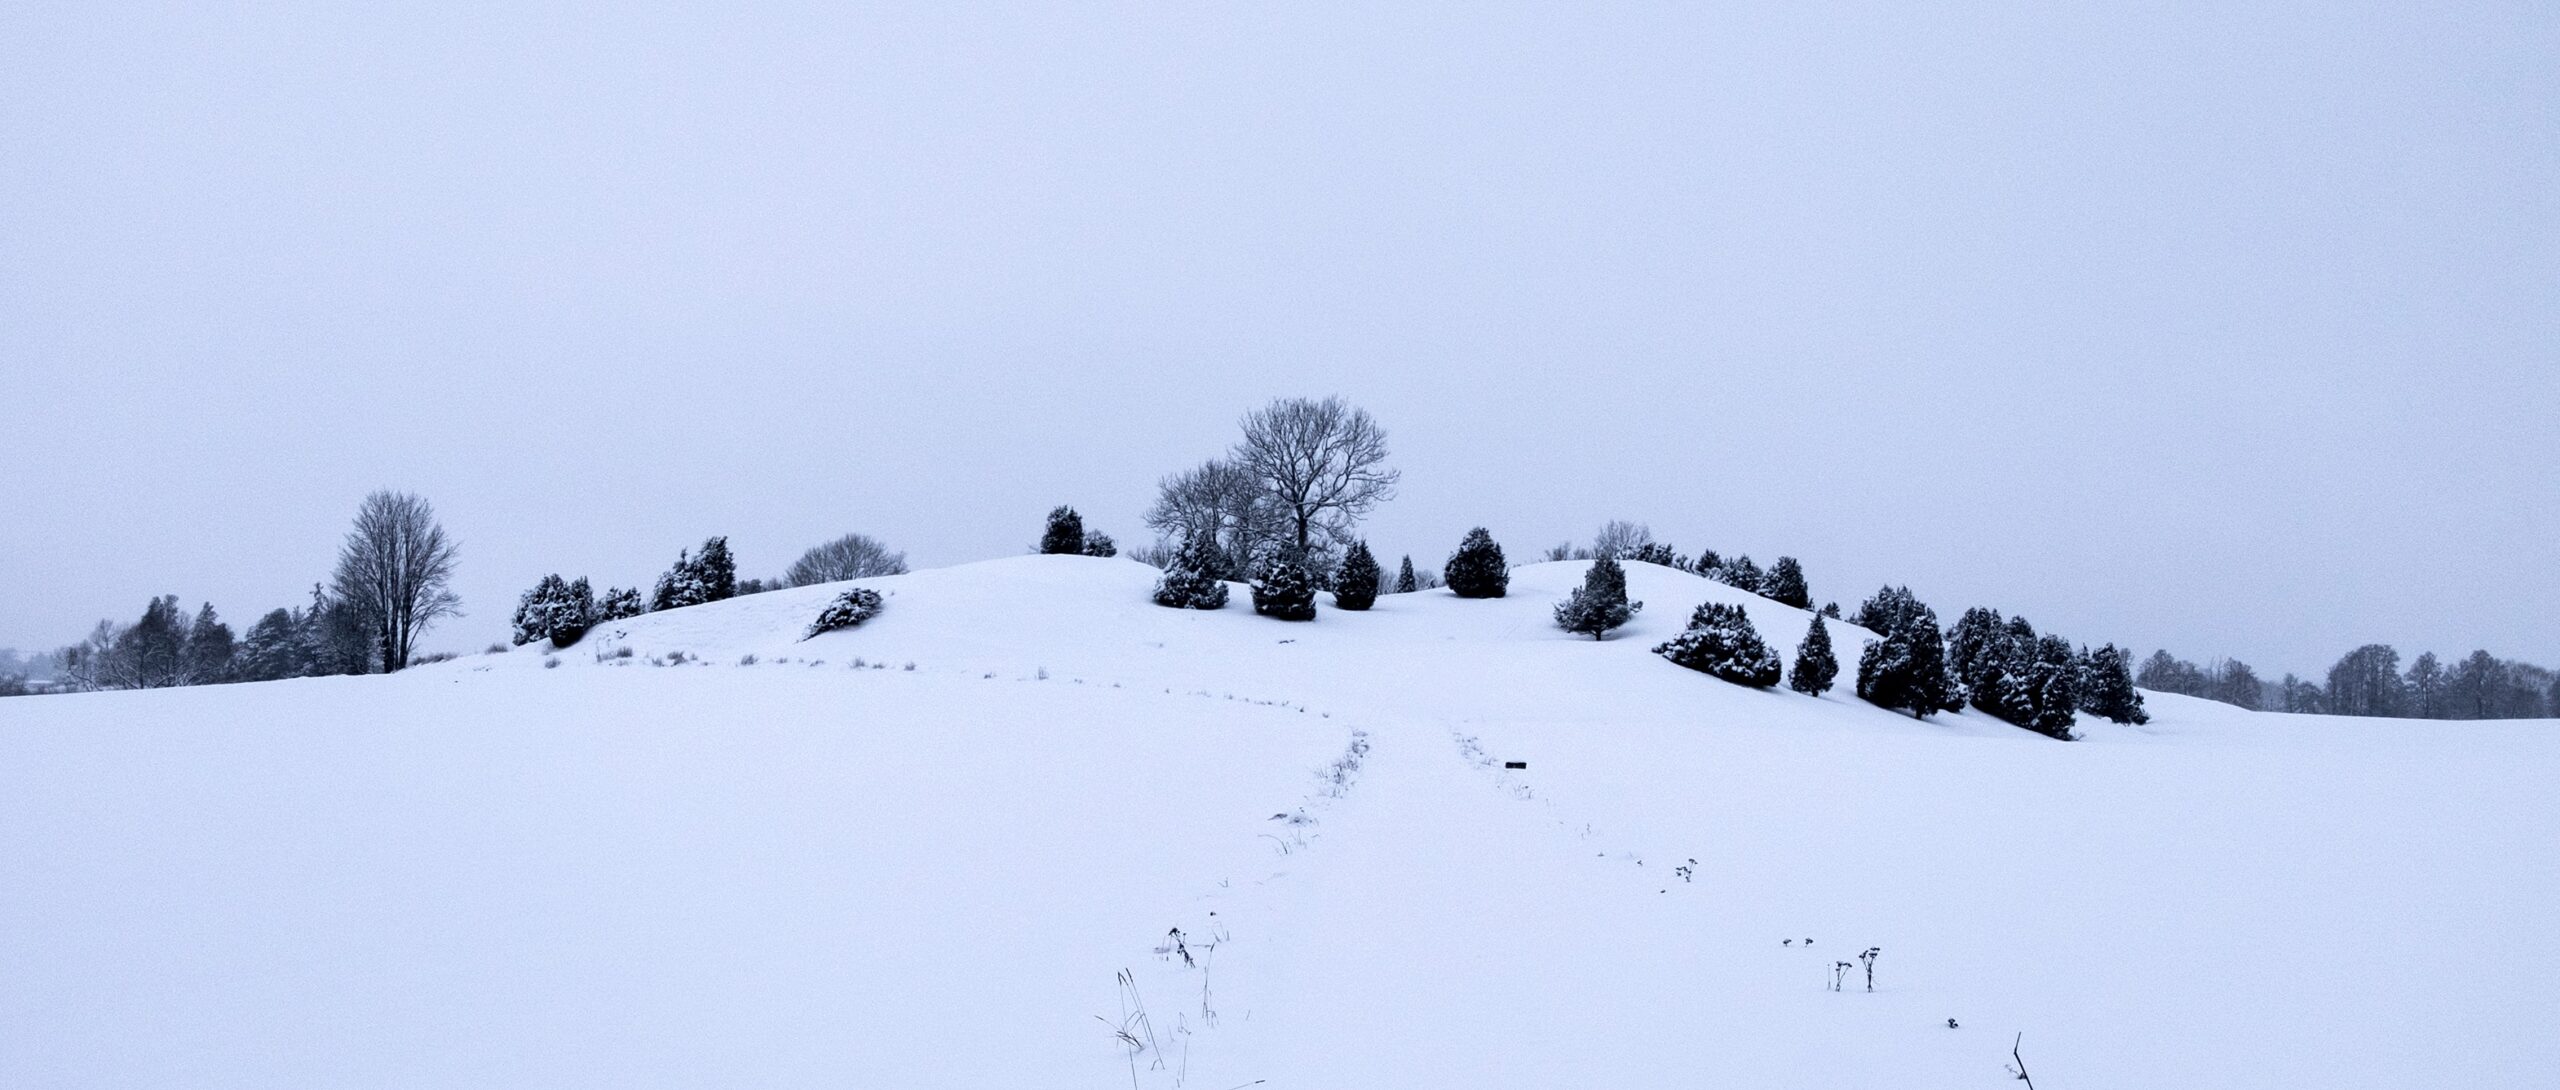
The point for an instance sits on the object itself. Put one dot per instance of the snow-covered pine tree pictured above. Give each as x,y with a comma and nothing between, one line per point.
1708,564
717,572
210,649
679,586
533,610
1721,641
1065,533
573,612
1404,576
1906,670
1477,569
1356,586
1741,574
619,603
1966,644
2005,666
1097,543
1190,579
1285,590
1786,586
1815,667
2111,694
1600,604
2055,695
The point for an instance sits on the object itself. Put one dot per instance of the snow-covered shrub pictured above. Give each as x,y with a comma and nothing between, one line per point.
1285,590
555,610
849,609
1600,604
1405,583
1190,579
1477,569
1065,532
1721,641
2110,692
1356,586
1815,666
1658,552
710,576
1740,574
620,603
1097,543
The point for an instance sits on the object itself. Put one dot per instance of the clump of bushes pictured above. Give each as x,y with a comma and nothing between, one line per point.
1721,641
847,610
1477,569
556,610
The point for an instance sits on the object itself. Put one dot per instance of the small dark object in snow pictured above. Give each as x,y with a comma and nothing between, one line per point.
1515,764
1951,1023
1786,942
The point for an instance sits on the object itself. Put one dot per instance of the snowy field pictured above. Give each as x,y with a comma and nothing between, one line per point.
618,872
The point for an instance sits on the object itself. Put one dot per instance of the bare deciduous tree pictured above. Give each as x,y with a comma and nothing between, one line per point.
396,571
853,556
1323,462
1226,501
1619,538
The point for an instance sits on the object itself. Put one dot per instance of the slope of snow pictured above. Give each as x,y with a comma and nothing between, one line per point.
614,873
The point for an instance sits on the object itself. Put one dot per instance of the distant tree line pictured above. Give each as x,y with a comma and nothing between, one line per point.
392,581
2369,681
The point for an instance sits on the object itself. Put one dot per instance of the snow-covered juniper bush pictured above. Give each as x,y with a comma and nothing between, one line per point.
1815,666
1721,641
850,608
1355,587
1284,590
1600,603
1477,569
1190,579
1065,532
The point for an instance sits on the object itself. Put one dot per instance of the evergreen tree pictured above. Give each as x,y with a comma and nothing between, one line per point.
854,606
1356,588
272,650
1786,586
2110,692
2055,696
718,573
1065,534
210,649
1906,670
1708,564
532,620
1969,644
1097,543
1190,579
1285,590
1600,604
1721,641
1741,574
1404,576
1477,569
2006,664
679,586
1658,552
1815,667
620,603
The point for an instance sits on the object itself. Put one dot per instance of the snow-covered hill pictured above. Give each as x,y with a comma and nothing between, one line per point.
614,871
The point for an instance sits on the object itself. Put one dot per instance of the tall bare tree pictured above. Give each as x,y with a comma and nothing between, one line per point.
853,556
1323,462
396,572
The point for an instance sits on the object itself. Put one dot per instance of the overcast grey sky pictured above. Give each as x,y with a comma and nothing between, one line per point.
2230,327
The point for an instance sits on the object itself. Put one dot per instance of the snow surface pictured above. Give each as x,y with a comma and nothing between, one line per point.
611,872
